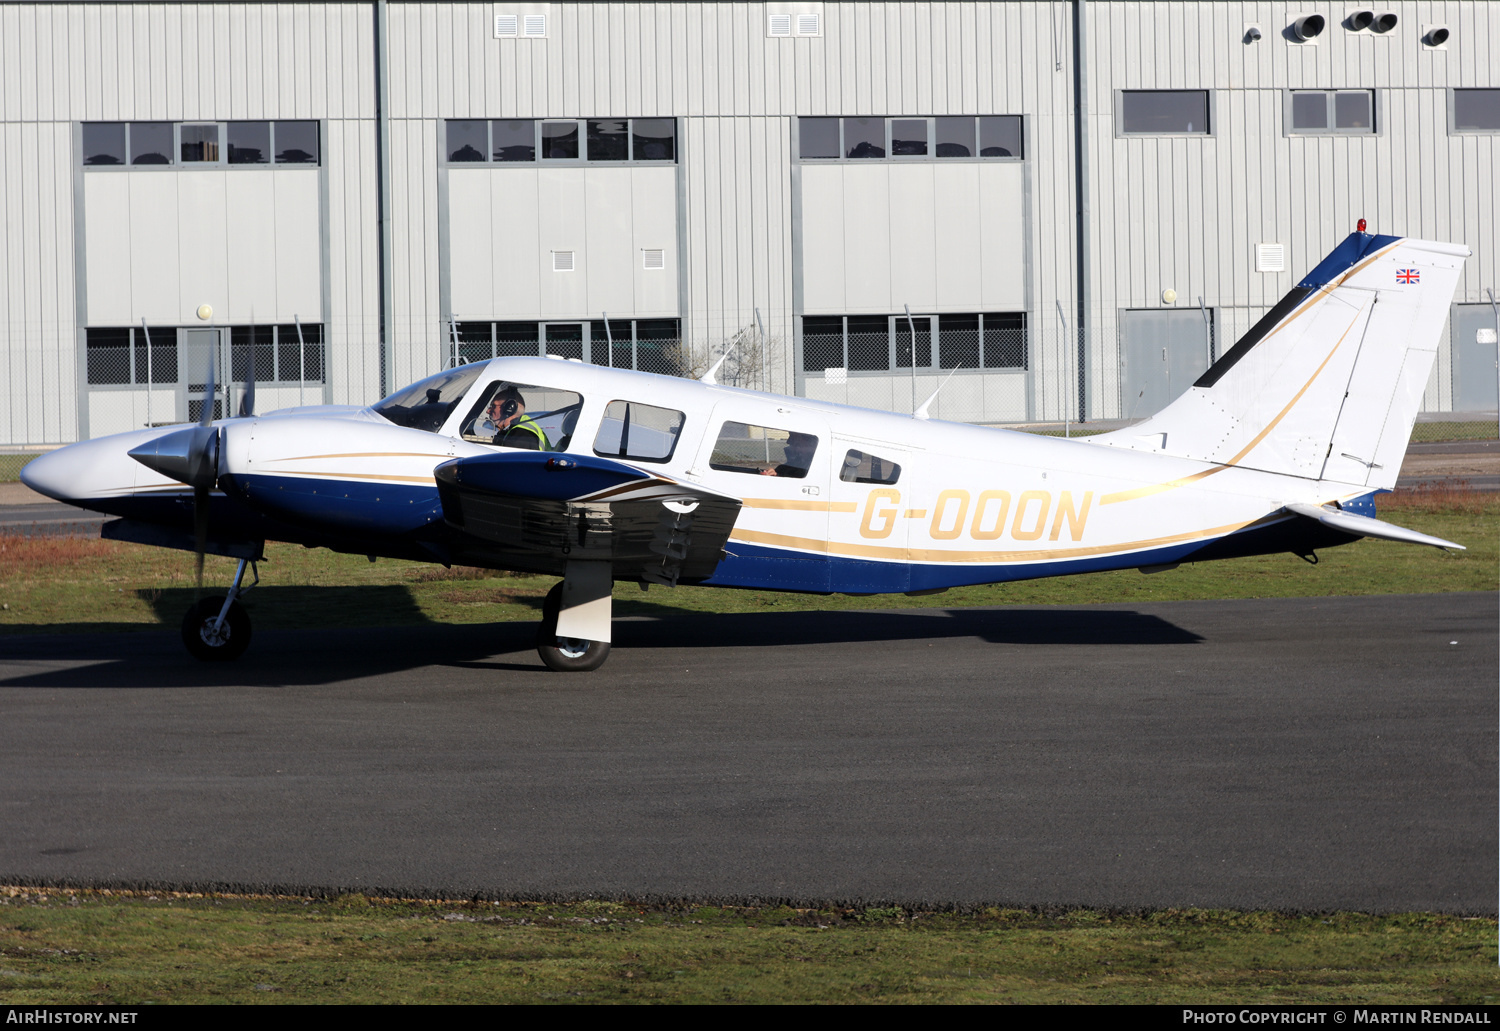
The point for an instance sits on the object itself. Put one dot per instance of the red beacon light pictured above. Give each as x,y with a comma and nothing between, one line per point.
1362,225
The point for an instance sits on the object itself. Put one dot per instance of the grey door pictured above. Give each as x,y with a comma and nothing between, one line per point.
197,345
1474,370
1162,351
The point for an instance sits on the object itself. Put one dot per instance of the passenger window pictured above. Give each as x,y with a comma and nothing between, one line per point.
522,415
862,468
641,432
742,448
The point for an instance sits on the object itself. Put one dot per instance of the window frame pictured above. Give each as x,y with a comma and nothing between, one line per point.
582,160
897,329
1210,106
1453,129
222,163
930,157
1377,127
675,434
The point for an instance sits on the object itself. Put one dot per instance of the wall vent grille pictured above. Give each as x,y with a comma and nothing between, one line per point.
779,25
534,25
1270,257
562,261
653,258
507,25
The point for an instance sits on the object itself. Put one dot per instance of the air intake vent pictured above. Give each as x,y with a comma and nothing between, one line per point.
535,25
562,261
1270,257
507,25
653,258
809,25
779,25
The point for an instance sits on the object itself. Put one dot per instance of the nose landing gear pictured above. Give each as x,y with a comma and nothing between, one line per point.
218,629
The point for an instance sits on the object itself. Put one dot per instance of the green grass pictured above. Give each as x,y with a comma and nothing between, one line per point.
71,584
1427,432
10,466
69,948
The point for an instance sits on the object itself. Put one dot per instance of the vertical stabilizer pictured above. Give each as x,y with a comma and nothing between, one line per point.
1328,384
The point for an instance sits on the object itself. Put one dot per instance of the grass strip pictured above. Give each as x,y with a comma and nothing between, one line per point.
69,947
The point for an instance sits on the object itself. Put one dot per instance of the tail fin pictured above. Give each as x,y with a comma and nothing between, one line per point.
1328,384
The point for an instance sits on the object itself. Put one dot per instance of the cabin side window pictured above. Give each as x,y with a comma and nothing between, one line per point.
524,416
642,433
763,451
862,468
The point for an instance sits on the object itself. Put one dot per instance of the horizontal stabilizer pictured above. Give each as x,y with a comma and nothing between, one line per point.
1364,526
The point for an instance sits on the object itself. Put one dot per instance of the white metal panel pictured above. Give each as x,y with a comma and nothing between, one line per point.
609,272
823,237
561,203
653,204
474,237
957,259
250,243
202,217
1001,227
866,200
516,245
913,214
154,242
108,266
299,277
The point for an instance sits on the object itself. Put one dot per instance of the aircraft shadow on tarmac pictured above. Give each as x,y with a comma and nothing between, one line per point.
303,657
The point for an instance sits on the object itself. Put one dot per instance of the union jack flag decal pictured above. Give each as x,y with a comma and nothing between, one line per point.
1408,275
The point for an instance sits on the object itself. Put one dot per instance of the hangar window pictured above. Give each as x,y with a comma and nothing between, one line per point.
641,432
1163,112
763,451
647,345
1476,110
118,356
528,140
195,144
903,139
1340,112
880,343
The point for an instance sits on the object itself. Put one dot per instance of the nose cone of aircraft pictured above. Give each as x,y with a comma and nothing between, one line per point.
52,474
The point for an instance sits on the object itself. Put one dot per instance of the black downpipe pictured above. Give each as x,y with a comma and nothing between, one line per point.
1082,211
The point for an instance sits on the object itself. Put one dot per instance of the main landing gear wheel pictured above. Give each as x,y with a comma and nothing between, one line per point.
208,644
566,654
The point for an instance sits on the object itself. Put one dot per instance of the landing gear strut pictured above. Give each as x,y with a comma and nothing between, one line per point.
218,629
585,590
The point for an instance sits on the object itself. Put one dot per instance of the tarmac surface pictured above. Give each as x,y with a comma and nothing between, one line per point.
1299,754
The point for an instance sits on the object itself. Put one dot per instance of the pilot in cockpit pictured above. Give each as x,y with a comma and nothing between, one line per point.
506,421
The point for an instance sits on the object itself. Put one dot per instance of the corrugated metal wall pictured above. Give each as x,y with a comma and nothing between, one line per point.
63,64
1186,213
1179,213
738,91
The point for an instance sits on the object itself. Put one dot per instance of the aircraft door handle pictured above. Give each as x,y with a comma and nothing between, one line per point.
811,490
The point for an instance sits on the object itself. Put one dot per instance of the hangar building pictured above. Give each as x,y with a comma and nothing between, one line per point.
1070,206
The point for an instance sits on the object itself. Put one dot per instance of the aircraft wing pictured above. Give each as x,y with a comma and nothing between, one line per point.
537,511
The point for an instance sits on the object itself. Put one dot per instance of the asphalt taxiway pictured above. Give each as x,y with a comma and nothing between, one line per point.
1307,754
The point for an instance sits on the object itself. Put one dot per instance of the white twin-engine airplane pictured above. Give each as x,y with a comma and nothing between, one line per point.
597,474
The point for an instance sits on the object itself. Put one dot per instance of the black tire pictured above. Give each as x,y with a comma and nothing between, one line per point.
203,643
565,654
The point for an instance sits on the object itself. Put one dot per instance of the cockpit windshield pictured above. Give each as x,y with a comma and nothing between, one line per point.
427,404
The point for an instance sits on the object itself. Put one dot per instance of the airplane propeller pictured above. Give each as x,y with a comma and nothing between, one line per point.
191,455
